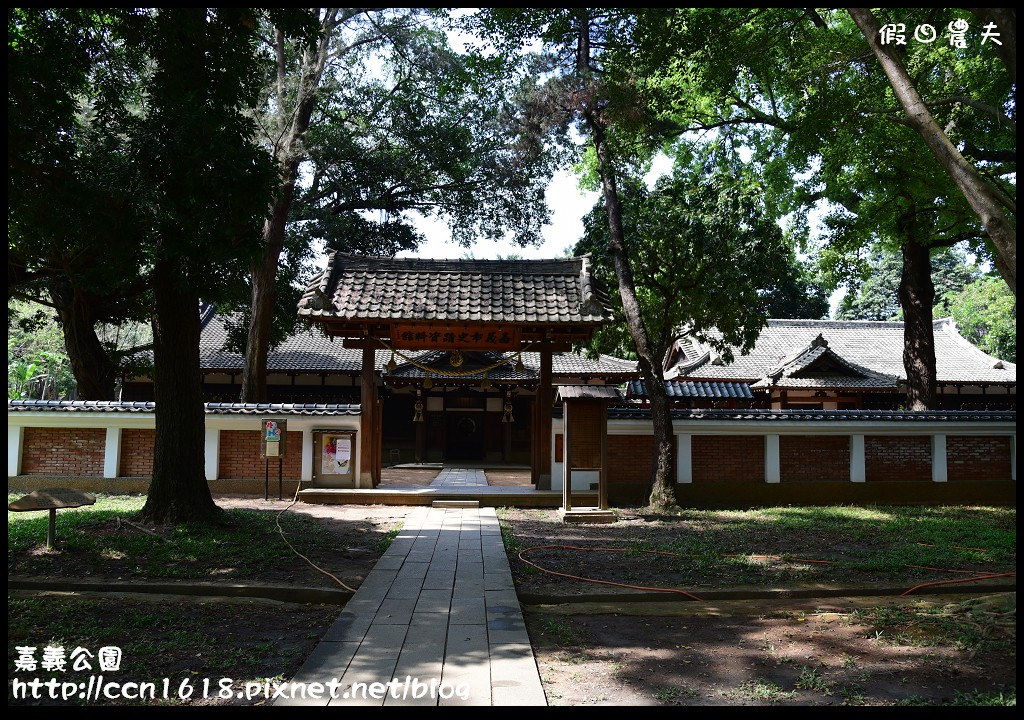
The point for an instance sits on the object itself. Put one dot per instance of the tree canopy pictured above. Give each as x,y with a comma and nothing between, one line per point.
876,297
705,255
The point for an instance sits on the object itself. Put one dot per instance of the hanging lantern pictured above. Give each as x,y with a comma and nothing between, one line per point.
507,417
487,381
418,407
427,382
391,363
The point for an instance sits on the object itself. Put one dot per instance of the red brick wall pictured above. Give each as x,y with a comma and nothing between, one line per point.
240,455
727,458
814,457
137,453
63,451
631,458
898,457
973,457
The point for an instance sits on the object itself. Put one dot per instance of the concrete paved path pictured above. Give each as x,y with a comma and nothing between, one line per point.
439,608
460,477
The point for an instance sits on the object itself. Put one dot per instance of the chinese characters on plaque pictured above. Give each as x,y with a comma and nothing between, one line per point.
455,337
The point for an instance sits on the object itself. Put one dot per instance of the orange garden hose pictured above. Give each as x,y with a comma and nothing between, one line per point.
603,582
979,574
962,580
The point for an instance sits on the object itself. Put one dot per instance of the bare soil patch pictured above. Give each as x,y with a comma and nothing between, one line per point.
393,476
509,478
799,653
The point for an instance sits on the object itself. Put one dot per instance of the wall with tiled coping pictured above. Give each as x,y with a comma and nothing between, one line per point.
718,459
112,450
729,459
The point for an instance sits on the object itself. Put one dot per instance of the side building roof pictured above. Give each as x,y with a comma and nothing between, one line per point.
871,352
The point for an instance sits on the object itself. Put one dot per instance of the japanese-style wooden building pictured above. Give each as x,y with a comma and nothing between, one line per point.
431,363
476,318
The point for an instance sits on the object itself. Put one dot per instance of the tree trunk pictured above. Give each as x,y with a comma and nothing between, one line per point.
295,122
94,372
917,297
264,299
981,196
178,491
661,492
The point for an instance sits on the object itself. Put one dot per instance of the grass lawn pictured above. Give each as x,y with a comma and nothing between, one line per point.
185,640
96,542
721,548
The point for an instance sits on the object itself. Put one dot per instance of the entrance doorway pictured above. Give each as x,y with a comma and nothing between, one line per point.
464,435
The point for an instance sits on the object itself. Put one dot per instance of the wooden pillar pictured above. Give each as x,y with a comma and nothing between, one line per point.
421,436
602,478
542,430
506,444
566,460
367,420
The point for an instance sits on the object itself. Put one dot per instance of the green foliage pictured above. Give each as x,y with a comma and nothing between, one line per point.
986,314
705,255
37,364
876,296
403,127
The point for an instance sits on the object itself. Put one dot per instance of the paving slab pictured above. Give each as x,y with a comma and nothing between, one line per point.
436,622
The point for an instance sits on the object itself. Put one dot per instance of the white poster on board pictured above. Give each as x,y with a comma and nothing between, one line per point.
337,454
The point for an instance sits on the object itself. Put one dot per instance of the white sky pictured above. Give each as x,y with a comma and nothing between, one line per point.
568,205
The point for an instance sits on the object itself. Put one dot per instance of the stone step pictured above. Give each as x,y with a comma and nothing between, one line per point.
455,504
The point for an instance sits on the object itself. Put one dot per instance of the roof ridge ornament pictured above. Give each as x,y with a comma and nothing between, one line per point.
589,304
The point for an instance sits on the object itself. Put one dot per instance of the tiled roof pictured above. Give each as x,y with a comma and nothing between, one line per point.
819,366
113,406
873,346
623,412
506,291
310,351
306,349
689,389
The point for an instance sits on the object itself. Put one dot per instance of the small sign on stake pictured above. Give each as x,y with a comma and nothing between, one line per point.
273,437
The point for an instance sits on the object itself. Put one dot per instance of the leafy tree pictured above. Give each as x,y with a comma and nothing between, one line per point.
706,256
428,131
798,291
592,87
37,366
797,86
877,296
72,226
986,314
993,204
171,89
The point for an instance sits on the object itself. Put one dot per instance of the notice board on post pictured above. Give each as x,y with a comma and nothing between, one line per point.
273,437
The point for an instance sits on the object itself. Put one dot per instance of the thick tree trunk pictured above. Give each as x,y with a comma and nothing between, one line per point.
178,491
264,298
917,297
294,120
661,493
94,372
981,196
660,489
